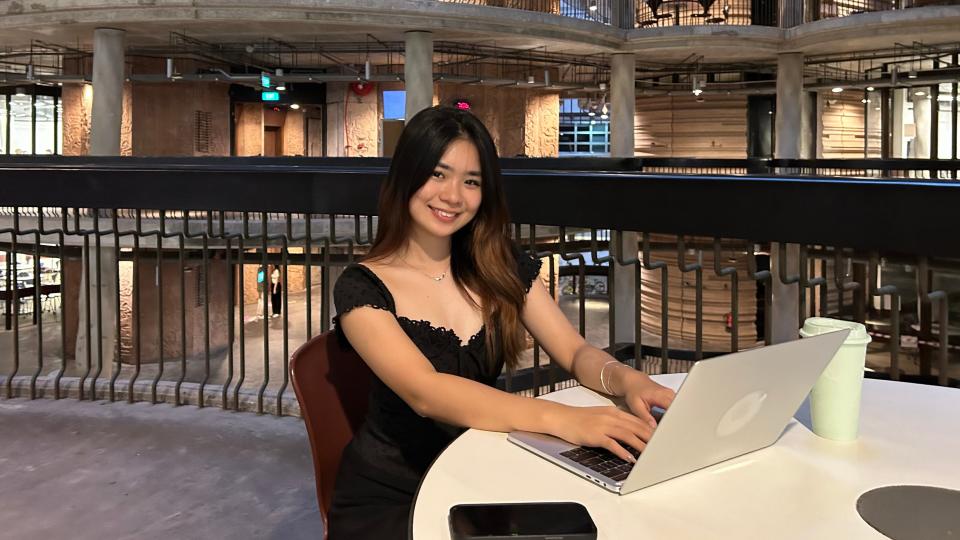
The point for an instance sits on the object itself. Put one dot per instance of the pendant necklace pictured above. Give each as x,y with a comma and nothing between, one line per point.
438,279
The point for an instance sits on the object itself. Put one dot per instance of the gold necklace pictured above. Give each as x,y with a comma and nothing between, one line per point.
434,278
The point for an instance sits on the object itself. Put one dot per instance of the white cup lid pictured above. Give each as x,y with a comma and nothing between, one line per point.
815,326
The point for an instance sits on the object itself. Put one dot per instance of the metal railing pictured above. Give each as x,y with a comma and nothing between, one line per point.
648,13
601,11
158,263
829,9
659,13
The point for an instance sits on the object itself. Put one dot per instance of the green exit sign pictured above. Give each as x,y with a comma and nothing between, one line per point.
270,96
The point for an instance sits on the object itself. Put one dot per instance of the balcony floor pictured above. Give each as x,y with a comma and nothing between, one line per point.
115,470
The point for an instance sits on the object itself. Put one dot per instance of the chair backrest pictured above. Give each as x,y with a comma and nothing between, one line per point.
332,384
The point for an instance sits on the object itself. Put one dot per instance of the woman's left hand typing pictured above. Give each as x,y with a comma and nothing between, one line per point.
642,393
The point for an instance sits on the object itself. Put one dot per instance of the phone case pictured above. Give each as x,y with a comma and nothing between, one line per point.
548,534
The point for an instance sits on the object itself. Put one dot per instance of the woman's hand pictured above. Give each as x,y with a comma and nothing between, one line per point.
604,427
642,393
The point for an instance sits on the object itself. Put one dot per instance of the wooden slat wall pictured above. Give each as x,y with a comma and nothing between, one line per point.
716,304
841,121
678,126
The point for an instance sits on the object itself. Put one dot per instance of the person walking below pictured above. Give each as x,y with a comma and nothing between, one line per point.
276,292
261,285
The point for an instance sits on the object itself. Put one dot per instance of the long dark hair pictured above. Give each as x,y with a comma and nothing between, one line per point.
481,257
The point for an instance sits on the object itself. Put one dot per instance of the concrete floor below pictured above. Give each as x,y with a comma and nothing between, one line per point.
82,470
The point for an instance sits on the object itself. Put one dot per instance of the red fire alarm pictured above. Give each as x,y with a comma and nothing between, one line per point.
462,104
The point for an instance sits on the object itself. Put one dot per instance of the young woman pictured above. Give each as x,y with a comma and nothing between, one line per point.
276,292
436,309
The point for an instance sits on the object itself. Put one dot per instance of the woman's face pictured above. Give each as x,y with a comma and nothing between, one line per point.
451,196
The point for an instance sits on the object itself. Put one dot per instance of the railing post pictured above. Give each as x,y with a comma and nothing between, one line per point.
786,293
8,292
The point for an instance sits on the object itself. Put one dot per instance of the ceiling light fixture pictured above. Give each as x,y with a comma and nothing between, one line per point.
912,74
698,82
836,89
294,106
593,5
870,89
281,87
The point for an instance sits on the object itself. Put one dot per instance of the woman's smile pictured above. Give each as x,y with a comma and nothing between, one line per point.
443,215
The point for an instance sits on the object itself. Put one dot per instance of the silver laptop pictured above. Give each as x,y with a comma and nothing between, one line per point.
727,406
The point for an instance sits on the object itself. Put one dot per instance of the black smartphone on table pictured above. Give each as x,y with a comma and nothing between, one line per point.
522,521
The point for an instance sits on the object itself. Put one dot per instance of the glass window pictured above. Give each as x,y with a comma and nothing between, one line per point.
30,124
46,134
581,133
394,104
21,124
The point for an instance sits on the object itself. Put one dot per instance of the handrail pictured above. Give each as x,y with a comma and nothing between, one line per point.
863,213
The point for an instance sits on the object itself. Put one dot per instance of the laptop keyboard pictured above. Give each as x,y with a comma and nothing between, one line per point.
602,461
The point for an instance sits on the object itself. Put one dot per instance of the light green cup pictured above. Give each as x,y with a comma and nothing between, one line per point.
835,398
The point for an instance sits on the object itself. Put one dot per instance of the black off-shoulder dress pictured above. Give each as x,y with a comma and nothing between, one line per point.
383,464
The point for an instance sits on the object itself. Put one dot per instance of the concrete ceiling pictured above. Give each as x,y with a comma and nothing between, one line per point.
151,23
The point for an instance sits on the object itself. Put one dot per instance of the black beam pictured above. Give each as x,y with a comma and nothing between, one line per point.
907,216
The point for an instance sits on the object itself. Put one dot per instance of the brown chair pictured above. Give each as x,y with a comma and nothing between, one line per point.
332,384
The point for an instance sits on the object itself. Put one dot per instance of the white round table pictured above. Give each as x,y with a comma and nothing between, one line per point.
801,487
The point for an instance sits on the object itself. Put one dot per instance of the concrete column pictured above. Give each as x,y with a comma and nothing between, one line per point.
336,140
418,72
791,13
624,14
623,103
921,121
789,128
102,286
790,97
108,75
249,129
896,121
809,142
874,126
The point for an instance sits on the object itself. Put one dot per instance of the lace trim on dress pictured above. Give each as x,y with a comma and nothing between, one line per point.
336,318
443,330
